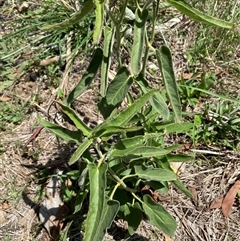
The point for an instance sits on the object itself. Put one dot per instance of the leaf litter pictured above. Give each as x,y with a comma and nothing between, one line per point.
226,203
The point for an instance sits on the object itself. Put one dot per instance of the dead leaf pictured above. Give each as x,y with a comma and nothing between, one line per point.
49,61
167,238
5,205
4,99
229,199
217,203
53,209
194,195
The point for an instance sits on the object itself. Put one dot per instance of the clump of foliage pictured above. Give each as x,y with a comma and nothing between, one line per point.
130,142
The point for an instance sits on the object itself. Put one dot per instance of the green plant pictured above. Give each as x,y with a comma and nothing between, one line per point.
10,114
130,148
219,124
190,96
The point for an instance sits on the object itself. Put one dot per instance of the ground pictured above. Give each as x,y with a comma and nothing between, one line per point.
210,176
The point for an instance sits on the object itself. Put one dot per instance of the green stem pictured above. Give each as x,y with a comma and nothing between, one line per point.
122,13
149,43
120,183
136,2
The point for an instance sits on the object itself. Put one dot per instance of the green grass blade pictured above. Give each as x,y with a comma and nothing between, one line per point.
158,216
98,21
197,15
164,59
223,97
86,8
75,119
87,77
80,150
107,52
138,40
65,134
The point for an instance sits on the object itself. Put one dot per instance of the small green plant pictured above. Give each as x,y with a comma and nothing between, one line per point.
10,114
130,148
190,96
218,124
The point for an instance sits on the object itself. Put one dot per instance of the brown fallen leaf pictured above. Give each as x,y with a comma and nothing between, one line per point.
49,61
217,203
167,238
4,99
229,199
194,195
5,205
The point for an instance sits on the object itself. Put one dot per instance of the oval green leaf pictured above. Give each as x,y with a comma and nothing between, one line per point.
138,40
164,59
197,15
154,174
158,216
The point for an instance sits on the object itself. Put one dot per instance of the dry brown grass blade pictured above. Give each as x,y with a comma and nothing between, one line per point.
229,199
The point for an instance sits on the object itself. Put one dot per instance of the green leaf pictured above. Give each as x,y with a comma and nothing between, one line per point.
86,78
118,88
154,174
140,151
138,40
85,9
107,52
197,15
65,134
116,92
164,59
101,211
135,141
157,101
133,215
75,119
81,149
158,216
181,186
179,158
97,33
125,116
110,130
178,128
79,200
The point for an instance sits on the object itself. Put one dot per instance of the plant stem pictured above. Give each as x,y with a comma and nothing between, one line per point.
120,183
